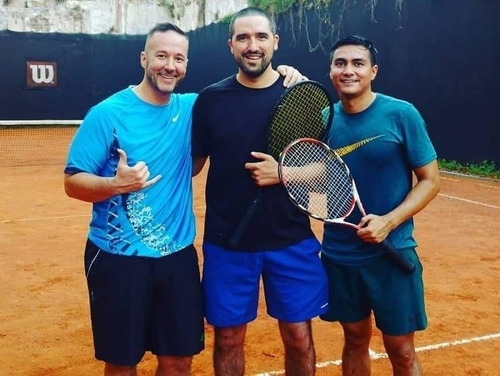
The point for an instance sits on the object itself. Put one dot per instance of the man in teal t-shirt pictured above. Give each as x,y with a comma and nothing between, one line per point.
363,279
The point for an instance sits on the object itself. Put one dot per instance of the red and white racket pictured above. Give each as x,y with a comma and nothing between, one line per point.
320,184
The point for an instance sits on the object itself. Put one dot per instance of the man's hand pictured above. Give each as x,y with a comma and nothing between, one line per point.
265,172
291,74
374,228
130,179
93,188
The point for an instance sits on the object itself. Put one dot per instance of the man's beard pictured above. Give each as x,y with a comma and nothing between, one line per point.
154,82
254,70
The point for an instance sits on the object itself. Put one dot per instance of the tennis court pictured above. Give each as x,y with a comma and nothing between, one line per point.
44,319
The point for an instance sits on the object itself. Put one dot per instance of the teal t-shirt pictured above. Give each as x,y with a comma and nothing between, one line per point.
151,222
382,145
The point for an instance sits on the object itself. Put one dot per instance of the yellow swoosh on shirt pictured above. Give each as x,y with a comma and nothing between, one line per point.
350,148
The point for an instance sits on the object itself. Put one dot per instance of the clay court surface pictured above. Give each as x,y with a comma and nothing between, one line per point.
44,318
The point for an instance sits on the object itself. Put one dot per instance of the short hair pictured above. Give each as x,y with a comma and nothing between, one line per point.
252,11
166,26
356,40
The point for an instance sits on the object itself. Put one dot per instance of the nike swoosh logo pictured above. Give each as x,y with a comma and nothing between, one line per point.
350,148
175,118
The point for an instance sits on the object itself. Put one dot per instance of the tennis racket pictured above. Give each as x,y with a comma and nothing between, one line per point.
320,184
305,109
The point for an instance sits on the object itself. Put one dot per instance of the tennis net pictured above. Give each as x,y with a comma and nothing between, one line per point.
35,143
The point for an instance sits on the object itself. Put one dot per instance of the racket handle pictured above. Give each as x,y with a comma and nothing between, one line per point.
404,264
240,229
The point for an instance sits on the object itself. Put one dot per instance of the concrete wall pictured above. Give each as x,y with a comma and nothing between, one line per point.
110,16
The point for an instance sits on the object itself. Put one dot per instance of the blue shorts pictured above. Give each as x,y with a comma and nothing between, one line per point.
396,298
294,281
140,304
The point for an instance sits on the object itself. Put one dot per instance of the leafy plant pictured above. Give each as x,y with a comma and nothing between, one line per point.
484,168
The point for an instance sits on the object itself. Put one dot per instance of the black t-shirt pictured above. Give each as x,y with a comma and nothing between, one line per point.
230,121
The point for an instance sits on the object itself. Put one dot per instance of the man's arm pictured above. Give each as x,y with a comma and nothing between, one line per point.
92,188
427,187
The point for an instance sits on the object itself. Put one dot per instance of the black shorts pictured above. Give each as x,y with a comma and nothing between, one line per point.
140,304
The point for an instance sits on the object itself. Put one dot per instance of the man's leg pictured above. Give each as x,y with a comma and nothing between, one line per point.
300,357
174,366
177,325
114,370
119,347
401,351
356,351
399,323
229,355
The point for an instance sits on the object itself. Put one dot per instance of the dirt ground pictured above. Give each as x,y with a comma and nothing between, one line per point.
44,318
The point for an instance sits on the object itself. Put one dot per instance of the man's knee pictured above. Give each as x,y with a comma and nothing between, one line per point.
113,369
230,337
297,336
174,365
357,334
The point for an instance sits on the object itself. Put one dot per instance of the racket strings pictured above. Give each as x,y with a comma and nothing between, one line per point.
317,181
303,112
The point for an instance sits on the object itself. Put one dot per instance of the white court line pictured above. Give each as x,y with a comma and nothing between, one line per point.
480,184
469,201
42,218
445,178
40,122
488,186
374,355
86,215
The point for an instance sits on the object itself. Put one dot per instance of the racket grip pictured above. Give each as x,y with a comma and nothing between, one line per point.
405,265
240,229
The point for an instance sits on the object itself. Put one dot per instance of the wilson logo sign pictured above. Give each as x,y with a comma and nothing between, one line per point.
41,74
